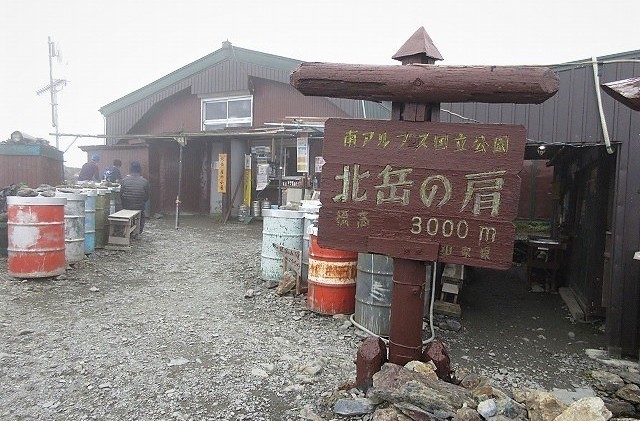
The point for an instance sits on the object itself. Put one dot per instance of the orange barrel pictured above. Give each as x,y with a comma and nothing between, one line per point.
73,226
331,280
35,236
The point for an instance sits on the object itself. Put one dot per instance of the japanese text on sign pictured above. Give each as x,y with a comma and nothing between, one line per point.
456,185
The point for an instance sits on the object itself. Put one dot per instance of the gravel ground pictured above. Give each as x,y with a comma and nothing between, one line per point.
165,332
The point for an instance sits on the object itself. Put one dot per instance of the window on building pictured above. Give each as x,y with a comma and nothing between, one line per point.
219,113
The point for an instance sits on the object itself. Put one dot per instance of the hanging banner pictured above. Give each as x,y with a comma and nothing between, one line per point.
262,178
302,158
222,173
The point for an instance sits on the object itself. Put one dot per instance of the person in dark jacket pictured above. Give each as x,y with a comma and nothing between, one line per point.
134,190
90,171
112,173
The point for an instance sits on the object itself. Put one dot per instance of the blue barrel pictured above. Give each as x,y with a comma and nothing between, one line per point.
374,283
73,226
90,220
283,227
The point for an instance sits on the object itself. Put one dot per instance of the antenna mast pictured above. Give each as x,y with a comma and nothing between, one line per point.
54,86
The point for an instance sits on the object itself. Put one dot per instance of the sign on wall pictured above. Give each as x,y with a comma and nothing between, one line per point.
422,190
222,173
302,154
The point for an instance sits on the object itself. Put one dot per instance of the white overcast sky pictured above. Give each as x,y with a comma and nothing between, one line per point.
113,47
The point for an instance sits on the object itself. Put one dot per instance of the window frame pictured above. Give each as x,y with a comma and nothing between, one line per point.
226,122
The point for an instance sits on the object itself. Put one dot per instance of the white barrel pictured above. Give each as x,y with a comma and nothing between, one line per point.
283,227
309,220
74,218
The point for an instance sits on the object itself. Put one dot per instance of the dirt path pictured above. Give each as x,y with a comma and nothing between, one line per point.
164,332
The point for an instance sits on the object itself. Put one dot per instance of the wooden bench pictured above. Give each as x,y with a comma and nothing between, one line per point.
122,225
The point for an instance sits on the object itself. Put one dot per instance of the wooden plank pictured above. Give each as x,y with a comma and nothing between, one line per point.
425,83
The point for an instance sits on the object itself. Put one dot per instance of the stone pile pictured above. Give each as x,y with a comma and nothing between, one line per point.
418,392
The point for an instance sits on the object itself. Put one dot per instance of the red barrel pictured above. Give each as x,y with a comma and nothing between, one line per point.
35,236
332,280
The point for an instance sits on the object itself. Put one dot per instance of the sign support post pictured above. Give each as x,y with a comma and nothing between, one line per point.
413,188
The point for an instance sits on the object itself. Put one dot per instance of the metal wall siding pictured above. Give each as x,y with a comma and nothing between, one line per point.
32,170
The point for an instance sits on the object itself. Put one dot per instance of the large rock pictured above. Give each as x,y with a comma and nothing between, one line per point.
394,383
352,407
467,414
629,392
605,381
631,377
389,414
591,409
619,407
435,351
541,406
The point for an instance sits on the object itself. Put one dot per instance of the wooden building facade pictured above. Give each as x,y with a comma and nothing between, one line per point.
227,102
596,203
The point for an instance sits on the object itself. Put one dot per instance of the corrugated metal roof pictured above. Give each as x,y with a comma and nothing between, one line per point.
227,52
570,117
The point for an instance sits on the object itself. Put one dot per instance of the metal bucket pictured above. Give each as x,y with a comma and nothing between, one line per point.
35,231
90,220
309,219
255,208
73,226
283,227
102,214
266,204
332,280
374,285
4,239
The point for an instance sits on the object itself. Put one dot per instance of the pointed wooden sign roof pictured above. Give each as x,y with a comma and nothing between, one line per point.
419,43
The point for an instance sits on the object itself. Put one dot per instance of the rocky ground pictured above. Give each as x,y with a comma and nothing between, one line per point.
181,328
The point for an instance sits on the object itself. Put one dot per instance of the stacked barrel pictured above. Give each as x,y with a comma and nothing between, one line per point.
45,234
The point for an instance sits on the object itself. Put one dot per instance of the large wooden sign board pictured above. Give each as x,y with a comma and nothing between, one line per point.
422,190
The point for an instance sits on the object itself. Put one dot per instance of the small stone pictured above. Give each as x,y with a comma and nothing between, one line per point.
249,293
487,408
571,335
454,325
177,361
104,385
26,332
258,372
94,289
353,407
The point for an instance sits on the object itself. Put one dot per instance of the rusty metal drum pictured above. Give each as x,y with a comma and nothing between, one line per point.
332,280
36,247
374,283
102,214
283,227
373,292
73,226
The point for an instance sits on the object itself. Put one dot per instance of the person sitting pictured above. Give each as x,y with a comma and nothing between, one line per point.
90,170
134,191
112,173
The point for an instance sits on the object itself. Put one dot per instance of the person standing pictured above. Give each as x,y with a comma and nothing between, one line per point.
134,191
112,173
90,170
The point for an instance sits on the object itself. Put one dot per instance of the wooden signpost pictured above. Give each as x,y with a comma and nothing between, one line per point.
416,189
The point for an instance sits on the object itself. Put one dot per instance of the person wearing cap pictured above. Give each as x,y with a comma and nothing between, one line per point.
134,191
90,170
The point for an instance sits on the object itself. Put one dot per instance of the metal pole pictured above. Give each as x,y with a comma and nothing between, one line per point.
179,186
